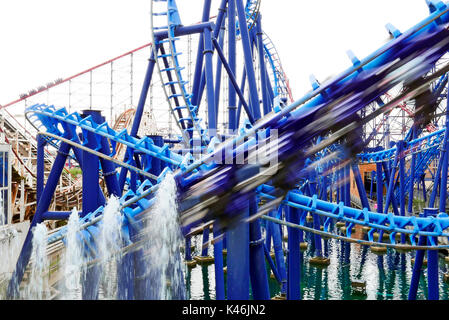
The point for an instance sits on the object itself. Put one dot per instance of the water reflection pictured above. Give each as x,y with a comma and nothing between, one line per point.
387,276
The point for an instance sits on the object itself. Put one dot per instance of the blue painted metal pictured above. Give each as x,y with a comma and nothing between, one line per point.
420,42
237,241
258,274
360,186
247,52
232,65
211,110
279,253
379,187
260,46
91,201
294,264
218,265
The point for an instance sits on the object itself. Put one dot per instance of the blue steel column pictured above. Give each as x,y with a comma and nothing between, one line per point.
249,67
265,99
294,263
316,217
279,253
234,83
432,264
199,79
218,265
268,234
360,186
199,59
237,241
401,182
419,257
444,172
42,207
392,198
208,54
347,173
424,192
91,196
218,73
258,272
391,184
239,108
232,64
379,187
109,169
412,176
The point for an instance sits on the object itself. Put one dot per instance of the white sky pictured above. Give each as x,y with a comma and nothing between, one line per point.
49,39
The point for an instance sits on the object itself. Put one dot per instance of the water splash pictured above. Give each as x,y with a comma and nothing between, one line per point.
163,257
109,244
2,212
73,260
37,287
9,249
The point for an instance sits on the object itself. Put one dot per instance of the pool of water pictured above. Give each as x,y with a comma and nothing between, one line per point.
387,277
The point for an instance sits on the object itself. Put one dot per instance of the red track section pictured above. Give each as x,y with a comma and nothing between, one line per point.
74,76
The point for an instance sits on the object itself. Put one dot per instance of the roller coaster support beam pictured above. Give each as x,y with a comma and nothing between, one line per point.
232,115
393,199
347,185
218,265
272,265
208,55
42,207
242,88
412,174
41,142
157,166
234,82
109,169
279,252
198,75
347,201
401,145
91,201
248,58
237,241
424,191
258,272
360,186
432,266
445,160
392,175
57,215
79,155
316,218
438,177
221,37
379,187
263,70
294,263
419,258
268,234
